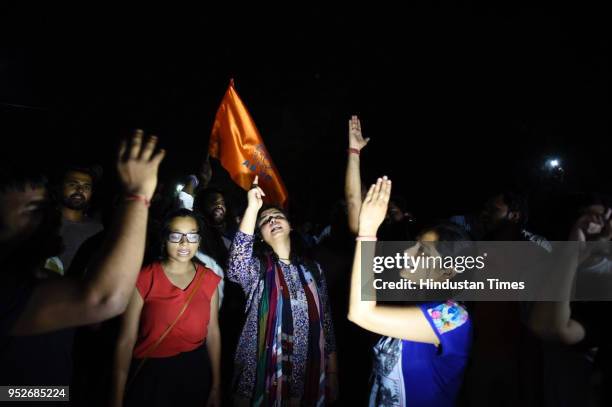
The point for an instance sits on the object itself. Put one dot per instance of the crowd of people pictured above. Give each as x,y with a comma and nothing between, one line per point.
174,299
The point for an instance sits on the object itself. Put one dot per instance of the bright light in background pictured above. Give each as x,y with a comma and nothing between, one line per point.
552,169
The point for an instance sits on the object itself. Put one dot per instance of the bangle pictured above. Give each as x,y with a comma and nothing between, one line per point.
354,150
138,197
366,238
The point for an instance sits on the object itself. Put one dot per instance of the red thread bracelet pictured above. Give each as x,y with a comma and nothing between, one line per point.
137,197
354,150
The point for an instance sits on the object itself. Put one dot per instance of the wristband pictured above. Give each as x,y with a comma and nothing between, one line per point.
354,150
138,197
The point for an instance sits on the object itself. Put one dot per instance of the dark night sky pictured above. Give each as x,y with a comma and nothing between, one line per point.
455,98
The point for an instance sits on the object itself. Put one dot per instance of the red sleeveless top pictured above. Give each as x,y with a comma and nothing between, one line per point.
163,302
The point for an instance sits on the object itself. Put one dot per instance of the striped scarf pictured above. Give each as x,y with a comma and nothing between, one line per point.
275,342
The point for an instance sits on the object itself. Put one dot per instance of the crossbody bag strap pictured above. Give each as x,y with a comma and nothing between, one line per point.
163,336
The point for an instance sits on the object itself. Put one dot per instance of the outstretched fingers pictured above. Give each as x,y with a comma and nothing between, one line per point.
380,192
385,191
369,195
377,190
122,150
149,148
158,157
136,142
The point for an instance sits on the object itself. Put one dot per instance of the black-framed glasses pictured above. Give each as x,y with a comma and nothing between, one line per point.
176,237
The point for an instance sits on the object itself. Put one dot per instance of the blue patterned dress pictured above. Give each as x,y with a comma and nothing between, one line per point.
408,373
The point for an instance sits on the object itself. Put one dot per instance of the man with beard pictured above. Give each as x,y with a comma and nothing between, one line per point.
211,204
221,226
503,218
37,315
77,227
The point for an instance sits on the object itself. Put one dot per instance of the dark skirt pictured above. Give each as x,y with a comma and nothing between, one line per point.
181,380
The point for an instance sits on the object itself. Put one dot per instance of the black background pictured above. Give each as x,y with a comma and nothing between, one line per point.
457,99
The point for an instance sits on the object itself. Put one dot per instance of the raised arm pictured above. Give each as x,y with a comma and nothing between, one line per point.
398,322
254,204
242,267
191,183
551,320
57,304
206,173
352,183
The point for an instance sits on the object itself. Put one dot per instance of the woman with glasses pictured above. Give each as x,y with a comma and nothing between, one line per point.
169,346
286,354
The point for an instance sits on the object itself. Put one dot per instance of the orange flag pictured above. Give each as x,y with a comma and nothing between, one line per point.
236,142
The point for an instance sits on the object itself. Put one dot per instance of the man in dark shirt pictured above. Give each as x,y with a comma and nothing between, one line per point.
77,226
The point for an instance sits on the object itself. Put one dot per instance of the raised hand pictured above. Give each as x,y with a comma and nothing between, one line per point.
374,207
137,164
602,227
592,227
255,194
581,234
206,171
356,139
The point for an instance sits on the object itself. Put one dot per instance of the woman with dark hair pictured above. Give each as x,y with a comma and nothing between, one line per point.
170,331
286,354
421,358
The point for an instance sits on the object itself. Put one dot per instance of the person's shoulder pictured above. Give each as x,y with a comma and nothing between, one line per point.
209,262
151,267
146,278
208,273
446,316
231,230
210,280
241,235
149,271
94,223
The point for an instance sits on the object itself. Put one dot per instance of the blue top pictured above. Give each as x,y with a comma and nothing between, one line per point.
433,375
